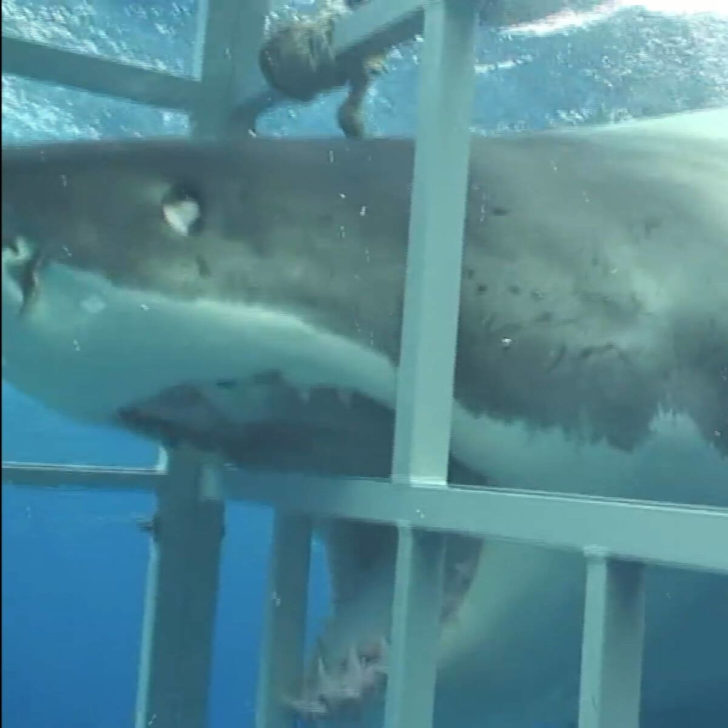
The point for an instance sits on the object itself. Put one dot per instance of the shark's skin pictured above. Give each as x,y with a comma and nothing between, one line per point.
246,297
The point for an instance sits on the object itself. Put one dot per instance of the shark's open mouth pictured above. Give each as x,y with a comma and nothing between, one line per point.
265,421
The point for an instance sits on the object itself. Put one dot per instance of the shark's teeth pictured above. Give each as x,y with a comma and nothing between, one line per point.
341,690
307,708
343,396
321,671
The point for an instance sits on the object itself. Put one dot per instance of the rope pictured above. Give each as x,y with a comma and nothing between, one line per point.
299,61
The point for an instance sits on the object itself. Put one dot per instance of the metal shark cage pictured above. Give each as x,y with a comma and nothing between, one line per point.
617,538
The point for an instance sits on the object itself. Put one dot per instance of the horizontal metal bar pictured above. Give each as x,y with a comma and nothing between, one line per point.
377,26
98,75
369,30
629,530
82,476
374,28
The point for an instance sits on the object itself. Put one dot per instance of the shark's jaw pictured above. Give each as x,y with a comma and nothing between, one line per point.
245,382
275,384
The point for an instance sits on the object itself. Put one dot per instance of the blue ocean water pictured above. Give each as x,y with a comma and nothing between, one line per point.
73,573
74,561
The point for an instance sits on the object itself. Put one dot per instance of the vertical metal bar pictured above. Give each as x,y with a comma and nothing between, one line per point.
230,33
143,715
281,658
416,618
181,600
432,296
427,359
611,659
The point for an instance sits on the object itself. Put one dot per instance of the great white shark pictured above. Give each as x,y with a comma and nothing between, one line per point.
245,297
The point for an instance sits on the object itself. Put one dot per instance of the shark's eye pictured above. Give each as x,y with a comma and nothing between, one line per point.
12,245
17,250
182,210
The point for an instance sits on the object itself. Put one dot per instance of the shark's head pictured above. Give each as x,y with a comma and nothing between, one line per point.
246,296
